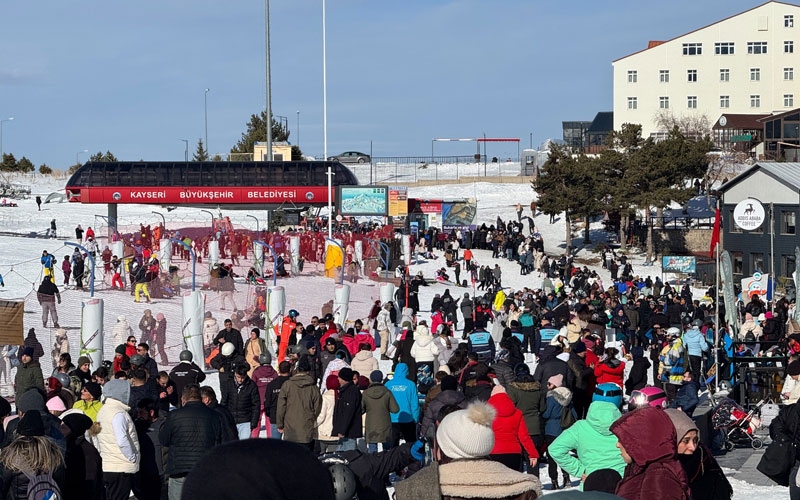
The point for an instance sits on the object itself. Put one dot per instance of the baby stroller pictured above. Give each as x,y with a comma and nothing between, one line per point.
737,425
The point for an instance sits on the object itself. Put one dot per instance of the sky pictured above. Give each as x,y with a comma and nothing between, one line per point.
130,77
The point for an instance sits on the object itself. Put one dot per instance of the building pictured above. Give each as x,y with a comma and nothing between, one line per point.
782,136
598,132
777,186
281,151
575,134
743,64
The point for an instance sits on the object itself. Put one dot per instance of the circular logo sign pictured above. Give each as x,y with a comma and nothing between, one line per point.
309,196
723,121
748,214
116,195
756,276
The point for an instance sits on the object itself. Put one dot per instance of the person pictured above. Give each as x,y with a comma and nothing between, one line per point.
140,276
39,202
263,376
243,401
209,398
149,364
84,478
790,392
253,348
610,369
653,469
29,455
117,441
53,232
404,421
385,328
695,343
672,367
232,335
424,351
186,372
377,404
706,479
464,440
66,269
32,342
637,378
48,294
271,394
159,339
511,435
347,412
686,399
299,404
189,432
29,373
226,361
558,400
326,440
364,361
448,396
89,402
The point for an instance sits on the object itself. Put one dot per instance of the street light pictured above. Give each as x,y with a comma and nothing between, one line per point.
77,156
256,219
325,125
205,107
298,129
186,152
212,222
10,118
268,120
163,219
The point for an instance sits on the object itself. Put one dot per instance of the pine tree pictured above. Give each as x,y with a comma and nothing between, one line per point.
256,131
200,153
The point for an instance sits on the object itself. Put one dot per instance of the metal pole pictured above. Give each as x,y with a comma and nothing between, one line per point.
274,261
163,219
10,118
484,157
194,260
298,129
268,119
370,162
717,322
186,150
771,291
325,124
531,140
256,219
213,232
205,108
433,141
77,155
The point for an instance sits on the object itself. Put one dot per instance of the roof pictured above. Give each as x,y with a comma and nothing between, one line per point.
651,45
787,173
779,115
741,121
603,122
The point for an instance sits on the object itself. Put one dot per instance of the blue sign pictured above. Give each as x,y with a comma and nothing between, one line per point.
678,264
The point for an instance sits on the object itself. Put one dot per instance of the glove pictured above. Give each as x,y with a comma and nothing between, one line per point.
418,450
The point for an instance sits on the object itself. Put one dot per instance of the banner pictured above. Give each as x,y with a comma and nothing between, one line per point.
12,332
728,295
757,284
398,201
678,264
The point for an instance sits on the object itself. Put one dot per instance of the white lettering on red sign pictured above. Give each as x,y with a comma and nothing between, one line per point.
206,195
272,194
150,195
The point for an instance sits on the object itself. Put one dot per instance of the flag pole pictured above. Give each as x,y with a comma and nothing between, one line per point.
717,321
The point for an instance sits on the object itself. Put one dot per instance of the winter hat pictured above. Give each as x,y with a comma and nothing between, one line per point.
120,349
121,318
117,389
498,389
310,343
762,318
362,383
637,352
376,376
556,380
578,347
95,389
330,341
768,315
78,423
682,422
28,351
604,480
332,383
85,359
793,368
5,407
303,365
449,383
227,349
748,317
445,368
346,374
608,392
31,424
467,433
406,325
160,316
31,400
55,404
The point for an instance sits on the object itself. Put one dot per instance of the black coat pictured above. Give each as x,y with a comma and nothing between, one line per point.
147,390
347,412
185,374
84,478
271,397
372,469
706,479
243,401
550,365
190,432
14,485
637,378
229,432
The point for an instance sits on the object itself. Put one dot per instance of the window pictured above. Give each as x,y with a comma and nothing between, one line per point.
733,227
789,264
692,49
724,101
724,75
788,100
663,102
788,223
663,76
788,73
788,21
691,75
632,103
757,262
755,101
788,47
755,74
756,47
632,76
738,262
723,48
691,102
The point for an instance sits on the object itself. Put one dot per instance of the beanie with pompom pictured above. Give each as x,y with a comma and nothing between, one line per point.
467,433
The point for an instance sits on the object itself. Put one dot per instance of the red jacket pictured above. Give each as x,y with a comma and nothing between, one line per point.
510,432
605,372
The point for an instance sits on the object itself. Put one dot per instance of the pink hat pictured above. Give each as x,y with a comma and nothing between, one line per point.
55,404
556,380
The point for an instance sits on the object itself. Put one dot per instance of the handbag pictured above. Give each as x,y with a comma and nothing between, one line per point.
778,459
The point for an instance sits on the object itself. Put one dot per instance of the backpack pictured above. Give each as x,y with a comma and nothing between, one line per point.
567,417
749,336
42,486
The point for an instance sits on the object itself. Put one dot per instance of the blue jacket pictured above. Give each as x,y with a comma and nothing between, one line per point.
557,399
481,343
695,342
48,261
405,393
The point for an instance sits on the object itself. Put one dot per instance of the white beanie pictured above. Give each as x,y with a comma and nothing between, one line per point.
467,433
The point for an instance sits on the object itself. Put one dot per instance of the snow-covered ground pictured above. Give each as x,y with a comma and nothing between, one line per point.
22,271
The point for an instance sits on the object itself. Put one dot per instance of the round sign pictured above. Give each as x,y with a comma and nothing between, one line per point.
723,121
748,214
756,276
339,218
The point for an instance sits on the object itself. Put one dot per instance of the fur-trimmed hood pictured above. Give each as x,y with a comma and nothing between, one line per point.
562,395
526,386
484,479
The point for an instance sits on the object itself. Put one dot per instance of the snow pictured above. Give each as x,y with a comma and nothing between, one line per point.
22,271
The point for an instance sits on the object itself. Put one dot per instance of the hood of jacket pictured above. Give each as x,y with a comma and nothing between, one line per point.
601,415
526,385
422,340
503,404
562,395
302,380
659,441
450,397
401,370
422,331
376,390
363,356
693,334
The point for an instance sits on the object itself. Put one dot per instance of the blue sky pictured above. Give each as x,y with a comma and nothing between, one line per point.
129,77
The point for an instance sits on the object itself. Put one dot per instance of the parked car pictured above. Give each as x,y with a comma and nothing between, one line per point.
351,157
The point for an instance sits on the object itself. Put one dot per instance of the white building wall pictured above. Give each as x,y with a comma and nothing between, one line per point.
761,24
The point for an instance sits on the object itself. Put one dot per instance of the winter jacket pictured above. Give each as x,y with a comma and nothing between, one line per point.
262,376
243,401
107,442
610,370
384,321
672,363
14,485
121,331
371,470
377,403
324,430
695,342
594,443
190,432
526,393
424,349
185,373
510,433
557,399
445,353
654,471
405,394
503,372
428,425
347,412
90,408
299,404
686,398
29,375
550,365
749,326
582,374
271,397
637,378
706,479
84,480
364,362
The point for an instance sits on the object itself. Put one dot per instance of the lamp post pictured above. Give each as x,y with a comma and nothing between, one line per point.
205,110
163,219
10,118
325,125
268,120
212,222
256,219
186,151
77,156
298,128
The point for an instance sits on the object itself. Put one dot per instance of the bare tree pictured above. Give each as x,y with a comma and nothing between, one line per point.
694,126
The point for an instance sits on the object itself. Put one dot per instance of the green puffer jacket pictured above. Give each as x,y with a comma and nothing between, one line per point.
526,394
378,403
28,375
594,443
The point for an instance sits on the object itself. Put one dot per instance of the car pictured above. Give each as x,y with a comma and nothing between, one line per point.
351,157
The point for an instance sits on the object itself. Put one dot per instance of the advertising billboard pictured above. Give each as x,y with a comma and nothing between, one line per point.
363,200
678,264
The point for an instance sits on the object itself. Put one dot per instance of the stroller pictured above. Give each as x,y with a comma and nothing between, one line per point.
737,425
